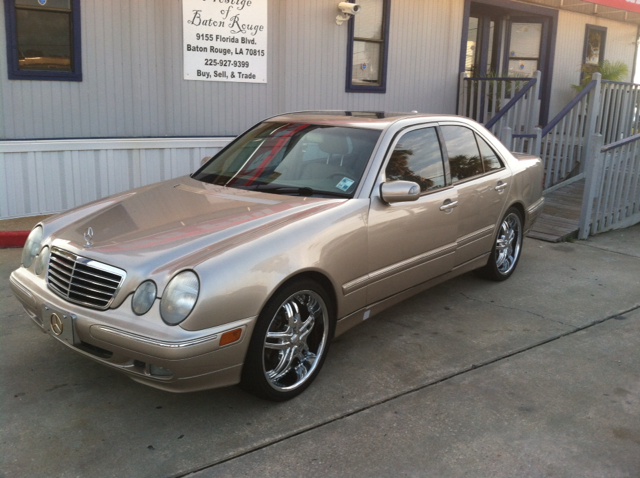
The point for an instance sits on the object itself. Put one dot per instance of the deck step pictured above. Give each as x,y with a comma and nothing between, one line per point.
554,229
560,218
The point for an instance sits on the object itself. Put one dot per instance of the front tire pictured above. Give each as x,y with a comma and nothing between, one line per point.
507,247
290,342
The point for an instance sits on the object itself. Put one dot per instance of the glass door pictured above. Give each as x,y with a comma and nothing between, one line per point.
482,45
471,63
525,46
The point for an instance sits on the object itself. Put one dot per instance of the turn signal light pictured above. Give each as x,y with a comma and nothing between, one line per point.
230,337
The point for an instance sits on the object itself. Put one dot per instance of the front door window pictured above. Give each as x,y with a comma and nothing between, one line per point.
524,49
481,57
470,64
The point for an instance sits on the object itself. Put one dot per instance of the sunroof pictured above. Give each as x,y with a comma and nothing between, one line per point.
359,114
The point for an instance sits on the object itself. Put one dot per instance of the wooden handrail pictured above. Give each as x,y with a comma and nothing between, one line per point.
622,142
513,101
569,107
611,82
508,78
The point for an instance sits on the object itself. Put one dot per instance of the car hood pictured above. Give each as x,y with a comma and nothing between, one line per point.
176,223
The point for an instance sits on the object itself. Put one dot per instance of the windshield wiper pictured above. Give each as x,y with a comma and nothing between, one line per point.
301,191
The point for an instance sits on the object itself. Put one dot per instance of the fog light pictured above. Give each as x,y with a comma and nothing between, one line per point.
230,337
159,371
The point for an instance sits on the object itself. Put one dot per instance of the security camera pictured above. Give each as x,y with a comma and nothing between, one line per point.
348,10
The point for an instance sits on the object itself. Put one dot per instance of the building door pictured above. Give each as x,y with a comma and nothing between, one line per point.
509,40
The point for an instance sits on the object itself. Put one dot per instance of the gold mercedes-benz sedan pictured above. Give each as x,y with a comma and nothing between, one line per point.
301,228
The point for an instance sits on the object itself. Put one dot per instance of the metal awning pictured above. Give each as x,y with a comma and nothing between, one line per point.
621,10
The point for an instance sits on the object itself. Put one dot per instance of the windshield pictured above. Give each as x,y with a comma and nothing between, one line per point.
294,158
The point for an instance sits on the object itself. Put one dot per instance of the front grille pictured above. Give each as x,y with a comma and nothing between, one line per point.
83,281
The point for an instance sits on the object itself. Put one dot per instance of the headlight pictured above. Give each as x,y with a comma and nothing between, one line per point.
179,297
143,298
43,260
32,246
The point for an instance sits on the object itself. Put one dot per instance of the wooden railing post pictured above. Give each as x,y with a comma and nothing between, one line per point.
593,172
507,137
534,118
593,109
537,143
462,103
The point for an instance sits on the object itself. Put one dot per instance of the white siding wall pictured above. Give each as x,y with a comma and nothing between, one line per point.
620,46
46,177
133,86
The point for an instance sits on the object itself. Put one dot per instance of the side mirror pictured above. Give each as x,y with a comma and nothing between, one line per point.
399,191
205,159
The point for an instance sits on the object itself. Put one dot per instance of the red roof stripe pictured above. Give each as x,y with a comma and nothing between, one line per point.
628,5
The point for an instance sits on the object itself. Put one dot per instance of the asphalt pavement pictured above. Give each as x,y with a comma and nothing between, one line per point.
535,376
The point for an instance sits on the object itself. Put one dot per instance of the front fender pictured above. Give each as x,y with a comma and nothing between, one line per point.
237,283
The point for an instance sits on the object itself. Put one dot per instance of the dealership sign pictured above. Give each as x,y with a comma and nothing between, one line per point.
225,40
629,5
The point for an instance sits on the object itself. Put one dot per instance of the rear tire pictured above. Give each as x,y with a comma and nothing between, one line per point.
290,342
507,248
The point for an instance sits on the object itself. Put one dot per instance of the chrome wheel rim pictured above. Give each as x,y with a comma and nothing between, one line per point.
295,341
508,243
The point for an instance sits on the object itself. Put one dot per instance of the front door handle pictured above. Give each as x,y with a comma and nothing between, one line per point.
448,205
500,187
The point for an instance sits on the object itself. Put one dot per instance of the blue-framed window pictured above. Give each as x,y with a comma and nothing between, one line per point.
43,39
367,48
595,39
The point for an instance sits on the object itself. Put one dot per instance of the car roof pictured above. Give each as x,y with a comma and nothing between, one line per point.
355,119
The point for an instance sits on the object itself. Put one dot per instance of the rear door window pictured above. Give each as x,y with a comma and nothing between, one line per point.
490,159
464,157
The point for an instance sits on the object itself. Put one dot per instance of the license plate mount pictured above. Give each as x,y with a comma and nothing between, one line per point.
60,324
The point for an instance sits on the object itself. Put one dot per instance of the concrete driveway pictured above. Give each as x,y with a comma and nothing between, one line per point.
536,376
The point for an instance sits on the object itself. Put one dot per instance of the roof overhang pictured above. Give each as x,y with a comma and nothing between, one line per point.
627,11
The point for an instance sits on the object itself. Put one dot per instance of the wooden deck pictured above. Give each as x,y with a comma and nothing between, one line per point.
561,215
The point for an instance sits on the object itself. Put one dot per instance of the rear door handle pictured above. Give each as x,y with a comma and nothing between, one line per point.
448,205
500,187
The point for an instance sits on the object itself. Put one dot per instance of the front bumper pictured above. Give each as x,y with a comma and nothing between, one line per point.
146,349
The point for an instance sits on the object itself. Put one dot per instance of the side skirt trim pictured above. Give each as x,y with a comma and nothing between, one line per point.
365,313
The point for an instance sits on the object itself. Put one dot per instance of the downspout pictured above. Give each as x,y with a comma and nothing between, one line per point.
463,46
635,56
